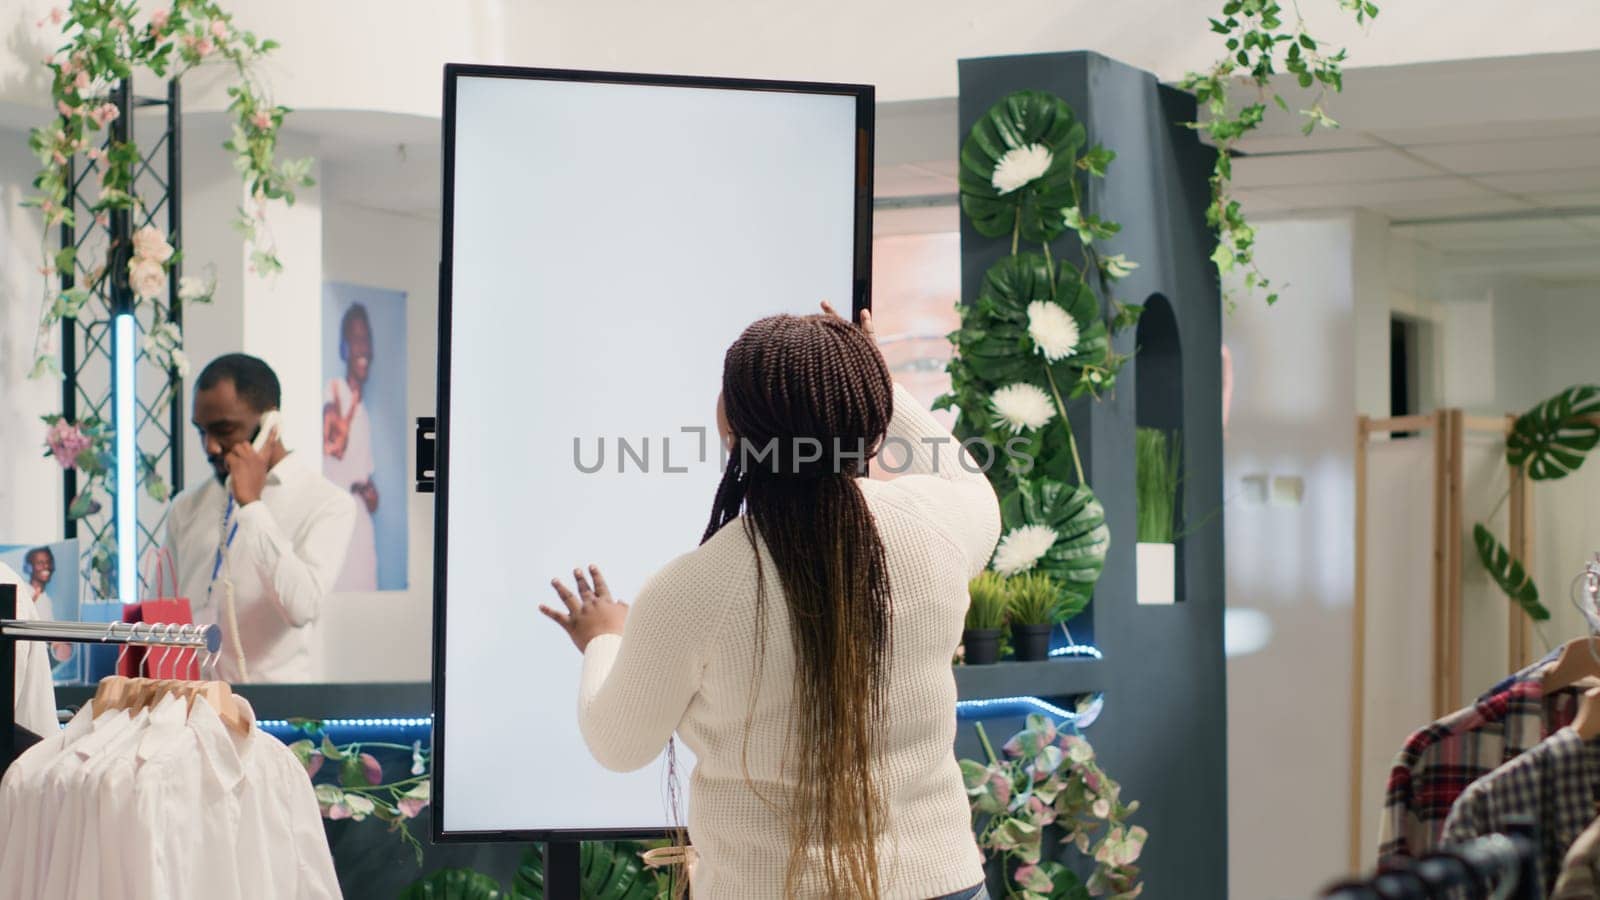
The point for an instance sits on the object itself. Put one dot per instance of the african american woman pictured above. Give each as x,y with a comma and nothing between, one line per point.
803,650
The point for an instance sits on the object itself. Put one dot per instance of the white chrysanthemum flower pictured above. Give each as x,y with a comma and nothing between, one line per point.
1022,407
1021,165
1022,548
1053,329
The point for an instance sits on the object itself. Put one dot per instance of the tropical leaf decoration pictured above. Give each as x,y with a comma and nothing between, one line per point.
1547,442
1079,554
1552,440
608,871
1023,120
454,884
1508,573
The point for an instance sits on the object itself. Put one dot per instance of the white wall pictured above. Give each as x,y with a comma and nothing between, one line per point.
387,636
1294,408
30,486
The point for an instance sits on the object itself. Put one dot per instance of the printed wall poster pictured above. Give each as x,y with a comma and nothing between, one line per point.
365,432
49,574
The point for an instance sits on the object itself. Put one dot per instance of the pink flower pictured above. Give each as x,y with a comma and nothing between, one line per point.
147,278
59,159
66,441
261,120
105,113
95,153
337,811
149,243
65,110
159,19
313,764
82,81
56,15
118,25
411,806
204,47
219,30
371,769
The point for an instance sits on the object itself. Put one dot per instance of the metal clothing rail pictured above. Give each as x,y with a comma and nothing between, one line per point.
1498,865
139,634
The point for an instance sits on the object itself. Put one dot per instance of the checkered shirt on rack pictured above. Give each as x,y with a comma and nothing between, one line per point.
1438,762
1553,786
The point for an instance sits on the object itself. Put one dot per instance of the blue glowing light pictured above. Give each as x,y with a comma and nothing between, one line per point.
398,722
1024,706
970,709
126,509
1081,650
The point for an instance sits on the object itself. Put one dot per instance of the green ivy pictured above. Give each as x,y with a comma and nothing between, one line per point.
1260,44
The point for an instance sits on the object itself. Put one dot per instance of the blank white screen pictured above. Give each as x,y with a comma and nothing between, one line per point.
610,241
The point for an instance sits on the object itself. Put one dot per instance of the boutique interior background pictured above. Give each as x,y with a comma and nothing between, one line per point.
1460,198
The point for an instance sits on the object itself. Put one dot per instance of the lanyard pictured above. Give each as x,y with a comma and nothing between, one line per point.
232,532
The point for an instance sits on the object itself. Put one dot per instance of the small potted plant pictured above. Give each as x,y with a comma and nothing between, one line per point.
1036,609
1157,462
986,617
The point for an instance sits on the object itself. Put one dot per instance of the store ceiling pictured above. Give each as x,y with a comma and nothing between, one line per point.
1494,164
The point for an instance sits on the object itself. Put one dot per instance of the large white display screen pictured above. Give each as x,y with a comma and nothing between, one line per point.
606,239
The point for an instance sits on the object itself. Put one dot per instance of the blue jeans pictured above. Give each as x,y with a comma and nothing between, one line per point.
976,892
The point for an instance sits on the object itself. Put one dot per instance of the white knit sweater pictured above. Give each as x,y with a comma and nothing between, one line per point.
684,663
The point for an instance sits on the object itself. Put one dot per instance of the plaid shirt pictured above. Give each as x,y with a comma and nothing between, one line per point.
1553,785
1440,761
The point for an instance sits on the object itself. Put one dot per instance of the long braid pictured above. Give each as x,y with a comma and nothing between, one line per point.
789,378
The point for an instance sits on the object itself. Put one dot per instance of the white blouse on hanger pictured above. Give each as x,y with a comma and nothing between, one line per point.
162,803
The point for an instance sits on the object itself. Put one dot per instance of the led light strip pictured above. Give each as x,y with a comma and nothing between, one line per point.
125,512
1078,650
415,722
972,708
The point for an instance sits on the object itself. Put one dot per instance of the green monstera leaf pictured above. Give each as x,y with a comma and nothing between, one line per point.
607,871
1508,573
993,346
1083,539
453,884
1031,124
1552,440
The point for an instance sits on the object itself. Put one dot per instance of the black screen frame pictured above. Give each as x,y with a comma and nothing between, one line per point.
861,299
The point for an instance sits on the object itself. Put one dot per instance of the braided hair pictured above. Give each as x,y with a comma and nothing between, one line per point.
809,399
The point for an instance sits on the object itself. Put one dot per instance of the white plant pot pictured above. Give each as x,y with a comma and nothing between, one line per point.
1157,574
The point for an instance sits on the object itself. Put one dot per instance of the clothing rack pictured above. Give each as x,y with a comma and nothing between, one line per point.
1474,867
138,634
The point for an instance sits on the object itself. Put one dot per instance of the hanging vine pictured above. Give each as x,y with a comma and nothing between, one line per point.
1260,46
106,43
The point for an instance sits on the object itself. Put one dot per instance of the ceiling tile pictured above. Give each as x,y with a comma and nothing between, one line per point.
1489,132
1485,203
1380,194
1342,167
1512,157
1550,182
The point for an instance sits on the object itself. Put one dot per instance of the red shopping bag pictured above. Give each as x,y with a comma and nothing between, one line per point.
160,662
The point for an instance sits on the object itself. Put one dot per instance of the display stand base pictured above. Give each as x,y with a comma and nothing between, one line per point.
563,876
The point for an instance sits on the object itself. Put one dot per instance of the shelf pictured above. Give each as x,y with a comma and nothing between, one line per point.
1047,678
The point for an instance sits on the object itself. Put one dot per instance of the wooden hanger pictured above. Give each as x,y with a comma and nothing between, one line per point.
1587,722
1579,658
109,695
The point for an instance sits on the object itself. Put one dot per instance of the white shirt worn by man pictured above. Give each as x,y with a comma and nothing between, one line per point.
282,563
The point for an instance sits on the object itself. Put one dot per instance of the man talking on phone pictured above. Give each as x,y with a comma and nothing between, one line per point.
257,547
